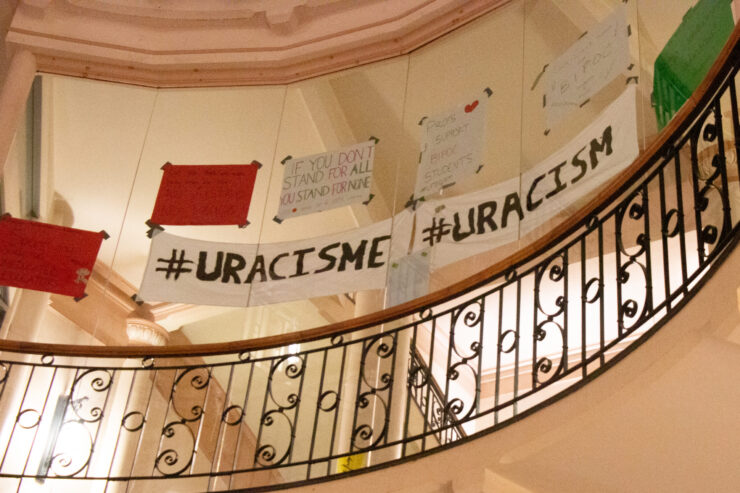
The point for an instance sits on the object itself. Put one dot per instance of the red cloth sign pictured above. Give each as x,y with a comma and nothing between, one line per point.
205,194
45,257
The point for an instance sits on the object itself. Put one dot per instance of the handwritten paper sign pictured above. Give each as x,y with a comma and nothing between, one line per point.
205,194
587,66
408,278
46,257
471,223
327,180
452,147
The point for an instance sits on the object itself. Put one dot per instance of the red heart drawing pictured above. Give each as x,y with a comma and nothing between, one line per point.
470,107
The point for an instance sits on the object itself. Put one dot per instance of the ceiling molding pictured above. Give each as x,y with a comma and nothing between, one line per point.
228,43
275,11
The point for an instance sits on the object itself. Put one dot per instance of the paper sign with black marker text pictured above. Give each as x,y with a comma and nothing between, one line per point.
452,146
328,180
471,223
587,66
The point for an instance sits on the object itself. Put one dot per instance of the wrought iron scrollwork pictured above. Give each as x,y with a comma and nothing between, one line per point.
76,422
429,399
189,387
372,403
88,394
508,342
550,314
233,415
280,411
328,401
178,439
710,181
464,360
475,359
593,290
176,458
28,418
633,263
133,421
73,449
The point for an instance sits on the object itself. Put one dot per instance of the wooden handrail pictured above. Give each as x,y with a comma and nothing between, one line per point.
607,195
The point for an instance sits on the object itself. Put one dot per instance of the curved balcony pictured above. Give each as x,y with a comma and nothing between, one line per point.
400,383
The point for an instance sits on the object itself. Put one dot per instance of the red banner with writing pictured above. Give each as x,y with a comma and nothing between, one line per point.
46,257
205,194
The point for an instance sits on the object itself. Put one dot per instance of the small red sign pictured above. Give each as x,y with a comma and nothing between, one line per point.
46,257
205,194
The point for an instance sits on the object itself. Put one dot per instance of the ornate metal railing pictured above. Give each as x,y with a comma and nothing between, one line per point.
430,401
504,344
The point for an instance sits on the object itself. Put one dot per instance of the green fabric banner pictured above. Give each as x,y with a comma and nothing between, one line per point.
688,55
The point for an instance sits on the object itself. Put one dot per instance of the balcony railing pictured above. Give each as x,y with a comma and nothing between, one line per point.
426,375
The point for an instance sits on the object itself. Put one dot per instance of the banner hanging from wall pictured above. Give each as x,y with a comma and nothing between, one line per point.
452,147
463,226
342,263
46,257
205,194
326,181
587,66
472,223
194,271
185,270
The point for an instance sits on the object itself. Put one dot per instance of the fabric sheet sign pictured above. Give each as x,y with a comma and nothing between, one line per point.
46,257
587,66
205,194
327,180
688,55
468,224
194,271
232,274
451,147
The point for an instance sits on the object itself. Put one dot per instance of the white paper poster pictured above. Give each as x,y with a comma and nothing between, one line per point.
452,147
408,278
327,180
468,224
587,66
185,270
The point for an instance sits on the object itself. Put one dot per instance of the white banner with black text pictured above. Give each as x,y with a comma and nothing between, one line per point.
468,224
185,270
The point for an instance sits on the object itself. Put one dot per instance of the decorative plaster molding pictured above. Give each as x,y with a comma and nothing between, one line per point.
145,332
229,42
276,12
